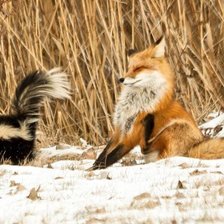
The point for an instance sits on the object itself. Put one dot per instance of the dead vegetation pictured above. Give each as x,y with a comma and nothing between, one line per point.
89,40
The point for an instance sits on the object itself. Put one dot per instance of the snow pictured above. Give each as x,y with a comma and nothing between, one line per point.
214,127
173,190
180,189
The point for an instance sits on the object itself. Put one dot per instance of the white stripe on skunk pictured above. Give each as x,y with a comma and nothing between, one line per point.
7,132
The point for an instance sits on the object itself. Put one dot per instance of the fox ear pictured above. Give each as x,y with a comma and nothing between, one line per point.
159,50
131,52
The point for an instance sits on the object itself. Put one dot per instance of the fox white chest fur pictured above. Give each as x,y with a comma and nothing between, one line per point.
140,94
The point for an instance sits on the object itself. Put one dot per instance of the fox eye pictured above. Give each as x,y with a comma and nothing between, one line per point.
137,69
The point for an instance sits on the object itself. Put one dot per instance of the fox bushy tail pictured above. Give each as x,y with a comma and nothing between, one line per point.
208,149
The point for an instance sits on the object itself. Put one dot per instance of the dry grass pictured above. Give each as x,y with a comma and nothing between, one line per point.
89,40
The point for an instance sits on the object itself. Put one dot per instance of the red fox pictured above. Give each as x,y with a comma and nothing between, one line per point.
147,114
18,129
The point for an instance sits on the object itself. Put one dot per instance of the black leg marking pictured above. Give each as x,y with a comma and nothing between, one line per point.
101,157
148,123
105,160
115,155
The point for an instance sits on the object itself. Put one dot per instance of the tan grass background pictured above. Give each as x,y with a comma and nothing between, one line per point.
89,39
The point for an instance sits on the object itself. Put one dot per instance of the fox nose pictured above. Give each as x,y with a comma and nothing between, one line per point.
121,80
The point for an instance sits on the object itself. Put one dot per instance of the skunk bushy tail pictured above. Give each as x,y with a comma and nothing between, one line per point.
18,130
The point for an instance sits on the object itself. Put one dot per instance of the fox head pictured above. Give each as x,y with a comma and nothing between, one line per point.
149,69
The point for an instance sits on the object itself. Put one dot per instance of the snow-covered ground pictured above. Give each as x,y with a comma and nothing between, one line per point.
174,190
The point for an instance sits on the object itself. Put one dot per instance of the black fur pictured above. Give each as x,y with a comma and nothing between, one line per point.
148,123
131,52
105,160
159,40
16,149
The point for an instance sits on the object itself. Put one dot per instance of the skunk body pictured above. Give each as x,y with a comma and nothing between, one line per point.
18,129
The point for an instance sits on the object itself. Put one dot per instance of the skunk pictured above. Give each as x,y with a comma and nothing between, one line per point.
18,129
